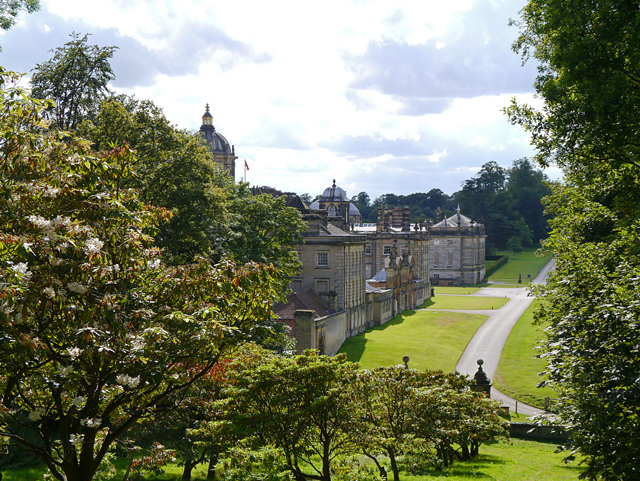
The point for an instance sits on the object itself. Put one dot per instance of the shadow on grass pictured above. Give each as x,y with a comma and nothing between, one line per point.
355,346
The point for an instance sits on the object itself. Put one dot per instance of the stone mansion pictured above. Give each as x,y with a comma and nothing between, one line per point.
355,276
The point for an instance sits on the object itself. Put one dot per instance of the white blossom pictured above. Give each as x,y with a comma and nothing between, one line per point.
51,191
74,352
126,380
76,439
77,288
40,222
79,401
22,268
137,343
37,414
154,264
66,370
91,422
50,292
55,261
93,245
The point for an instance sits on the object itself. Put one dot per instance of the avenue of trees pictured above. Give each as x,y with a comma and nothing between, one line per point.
589,79
508,201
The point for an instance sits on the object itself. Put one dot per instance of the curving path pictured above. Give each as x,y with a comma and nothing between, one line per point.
489,339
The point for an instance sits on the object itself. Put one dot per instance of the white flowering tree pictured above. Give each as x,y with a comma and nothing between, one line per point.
96,333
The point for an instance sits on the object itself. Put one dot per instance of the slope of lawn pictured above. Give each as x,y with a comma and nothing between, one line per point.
514,460
464,303
524,263
432,340
517,372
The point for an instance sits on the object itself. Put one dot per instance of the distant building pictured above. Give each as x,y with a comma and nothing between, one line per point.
457,251
332,299
223,154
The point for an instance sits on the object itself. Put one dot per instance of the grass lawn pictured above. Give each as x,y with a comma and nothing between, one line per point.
458,290
524,263
432,340
517,373
514,460
464,303
172,472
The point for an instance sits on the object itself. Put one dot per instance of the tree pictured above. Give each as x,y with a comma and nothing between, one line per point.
95,332
588,77
300,405
9,9
527,186
76,79
212,215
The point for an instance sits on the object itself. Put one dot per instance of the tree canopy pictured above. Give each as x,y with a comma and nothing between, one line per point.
589,79
96,333
76,78
9,10
213,215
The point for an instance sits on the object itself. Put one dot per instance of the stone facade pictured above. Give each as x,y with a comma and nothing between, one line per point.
335,255
457,251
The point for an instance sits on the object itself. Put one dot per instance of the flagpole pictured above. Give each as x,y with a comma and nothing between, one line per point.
245,170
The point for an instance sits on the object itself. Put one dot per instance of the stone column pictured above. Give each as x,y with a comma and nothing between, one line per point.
305,330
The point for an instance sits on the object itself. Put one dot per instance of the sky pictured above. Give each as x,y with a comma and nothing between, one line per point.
384,97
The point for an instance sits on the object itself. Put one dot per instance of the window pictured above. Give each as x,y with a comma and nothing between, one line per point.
367,271
322,259
367,249
332,211
322,286
386,250
436,258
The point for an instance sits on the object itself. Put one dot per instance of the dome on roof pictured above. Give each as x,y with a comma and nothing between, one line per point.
216,141
353,210
335,193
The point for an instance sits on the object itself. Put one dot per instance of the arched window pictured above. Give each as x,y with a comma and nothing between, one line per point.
332,211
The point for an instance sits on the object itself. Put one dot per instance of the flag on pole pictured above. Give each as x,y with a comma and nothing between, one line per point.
246,166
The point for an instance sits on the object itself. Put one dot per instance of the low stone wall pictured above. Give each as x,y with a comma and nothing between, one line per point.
538,433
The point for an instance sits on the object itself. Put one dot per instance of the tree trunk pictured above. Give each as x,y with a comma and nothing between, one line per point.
394,466
211,470
188,467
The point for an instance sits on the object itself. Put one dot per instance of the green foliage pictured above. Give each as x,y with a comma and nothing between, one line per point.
589,79
514,244
299,405
212,215
75,79
494,264
9,9
507,202
96,333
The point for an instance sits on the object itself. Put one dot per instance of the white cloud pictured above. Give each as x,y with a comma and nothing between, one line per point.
388,96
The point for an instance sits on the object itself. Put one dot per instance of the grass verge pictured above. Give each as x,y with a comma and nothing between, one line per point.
460,291
524,263
517,372
432,340
514,460
464,303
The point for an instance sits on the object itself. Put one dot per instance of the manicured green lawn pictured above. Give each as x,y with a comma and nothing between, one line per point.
515,460
517,373
172,472
464,303
524,263
432,340
458,290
